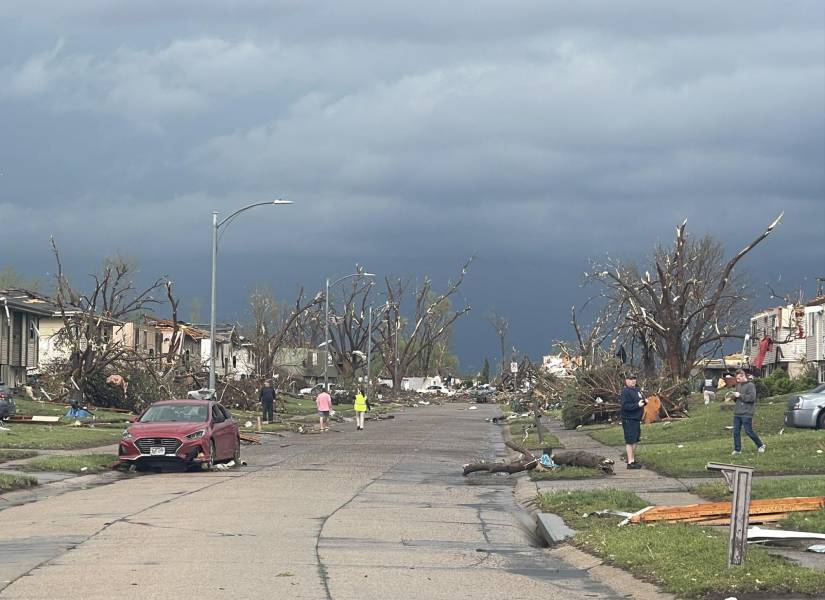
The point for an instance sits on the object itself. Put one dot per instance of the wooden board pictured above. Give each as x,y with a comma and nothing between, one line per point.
721,510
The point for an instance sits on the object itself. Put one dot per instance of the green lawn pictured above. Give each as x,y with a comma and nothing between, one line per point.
60,437
787,487
565,473
81,463
27,406
687,560
15,482
779,488
517,427
793,453
705,422
7,455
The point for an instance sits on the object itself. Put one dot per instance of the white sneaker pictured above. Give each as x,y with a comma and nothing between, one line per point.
735,453
761,449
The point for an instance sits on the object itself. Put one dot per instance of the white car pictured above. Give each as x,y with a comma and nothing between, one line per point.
438,390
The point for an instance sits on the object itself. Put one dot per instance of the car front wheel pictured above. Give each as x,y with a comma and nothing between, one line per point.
820,421
210,464
237,456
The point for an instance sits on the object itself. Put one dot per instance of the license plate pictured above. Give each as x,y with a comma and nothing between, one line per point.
157,451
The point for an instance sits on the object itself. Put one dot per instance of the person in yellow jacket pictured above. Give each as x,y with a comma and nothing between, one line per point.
361,407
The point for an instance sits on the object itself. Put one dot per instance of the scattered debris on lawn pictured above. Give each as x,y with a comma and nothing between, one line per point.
33,419
760,534
718,513
818,548
249,439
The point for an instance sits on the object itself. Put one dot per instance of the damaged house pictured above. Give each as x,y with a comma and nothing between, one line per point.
21,312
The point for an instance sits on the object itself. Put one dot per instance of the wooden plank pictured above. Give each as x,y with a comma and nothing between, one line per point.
720,510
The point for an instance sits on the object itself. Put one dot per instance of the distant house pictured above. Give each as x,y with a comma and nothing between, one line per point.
188,348
21,312
142,337
815,336
306,364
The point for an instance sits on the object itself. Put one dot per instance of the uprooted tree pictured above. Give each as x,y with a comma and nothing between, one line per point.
686,304
90,317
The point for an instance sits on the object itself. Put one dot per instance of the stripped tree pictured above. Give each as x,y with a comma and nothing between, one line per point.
403,342
275,326
687,304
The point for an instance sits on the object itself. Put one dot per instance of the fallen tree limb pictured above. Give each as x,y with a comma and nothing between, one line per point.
581,458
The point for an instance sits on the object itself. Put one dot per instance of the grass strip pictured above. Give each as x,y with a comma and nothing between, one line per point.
9,455
78,463
60,437
15,482
687,560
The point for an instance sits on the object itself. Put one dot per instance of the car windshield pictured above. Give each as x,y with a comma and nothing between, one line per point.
819,388
188,413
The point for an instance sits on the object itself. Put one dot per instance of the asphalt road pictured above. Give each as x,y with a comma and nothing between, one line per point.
375,514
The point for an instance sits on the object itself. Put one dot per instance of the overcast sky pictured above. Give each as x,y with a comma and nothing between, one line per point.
410,135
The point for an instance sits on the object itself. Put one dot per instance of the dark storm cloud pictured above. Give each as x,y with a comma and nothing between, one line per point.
411,135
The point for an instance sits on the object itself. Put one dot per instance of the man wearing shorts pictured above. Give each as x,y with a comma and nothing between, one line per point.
632,403
324,403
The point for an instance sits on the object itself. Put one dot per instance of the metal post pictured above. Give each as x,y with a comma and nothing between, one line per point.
212,312
395,377
369,353
326,335
739,480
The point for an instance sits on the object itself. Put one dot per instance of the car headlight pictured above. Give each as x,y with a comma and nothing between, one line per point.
126,435
196,435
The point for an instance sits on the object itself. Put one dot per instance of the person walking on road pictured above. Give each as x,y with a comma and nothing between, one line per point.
632,408
743,412
267,396
324,403
361,407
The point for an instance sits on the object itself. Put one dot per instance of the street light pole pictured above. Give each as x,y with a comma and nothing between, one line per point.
326,336
369,353
326,320
214,294
216,225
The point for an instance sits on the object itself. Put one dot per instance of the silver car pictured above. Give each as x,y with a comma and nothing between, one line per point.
807,410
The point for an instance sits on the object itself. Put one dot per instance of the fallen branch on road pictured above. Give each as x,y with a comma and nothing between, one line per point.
527,462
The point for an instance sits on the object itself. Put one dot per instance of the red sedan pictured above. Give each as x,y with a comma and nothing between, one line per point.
188,432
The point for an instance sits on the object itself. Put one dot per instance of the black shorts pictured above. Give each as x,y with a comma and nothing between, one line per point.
632,430
323,413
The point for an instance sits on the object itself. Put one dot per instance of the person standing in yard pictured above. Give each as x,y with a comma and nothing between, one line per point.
361,407
324,403
632,408
267,397
743,412
708,391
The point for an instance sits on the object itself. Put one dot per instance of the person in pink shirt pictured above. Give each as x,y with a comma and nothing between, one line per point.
324,403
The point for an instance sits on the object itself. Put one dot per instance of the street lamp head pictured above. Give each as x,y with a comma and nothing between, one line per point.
279,201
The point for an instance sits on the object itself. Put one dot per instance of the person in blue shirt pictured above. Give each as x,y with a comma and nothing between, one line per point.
632,408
